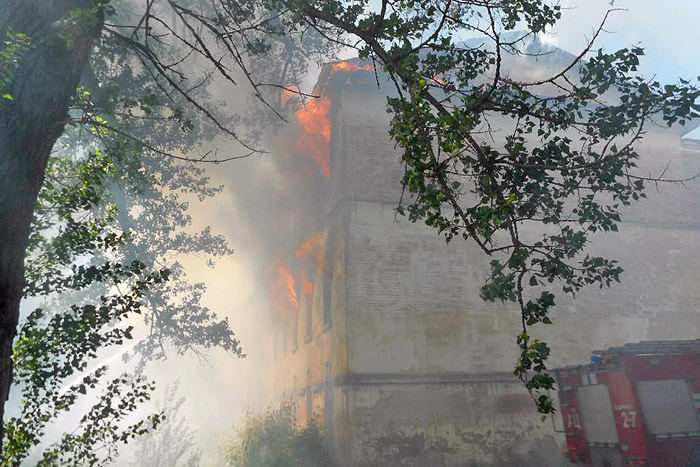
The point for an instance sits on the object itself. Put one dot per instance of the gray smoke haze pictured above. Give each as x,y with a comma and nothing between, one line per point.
269,203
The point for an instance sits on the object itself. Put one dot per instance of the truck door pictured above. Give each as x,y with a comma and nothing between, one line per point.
667,407
599,425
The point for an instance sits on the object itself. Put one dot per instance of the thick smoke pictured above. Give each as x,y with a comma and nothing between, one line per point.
270,211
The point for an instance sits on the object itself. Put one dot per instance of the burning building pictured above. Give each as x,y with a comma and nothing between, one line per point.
382,336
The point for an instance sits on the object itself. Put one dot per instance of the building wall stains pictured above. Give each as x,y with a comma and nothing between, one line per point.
394,352
462,422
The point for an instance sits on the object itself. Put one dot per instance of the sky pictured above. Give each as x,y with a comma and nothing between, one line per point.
667,30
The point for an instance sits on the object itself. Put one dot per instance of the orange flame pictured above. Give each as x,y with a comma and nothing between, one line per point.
312,246
349,66
285,293
315,137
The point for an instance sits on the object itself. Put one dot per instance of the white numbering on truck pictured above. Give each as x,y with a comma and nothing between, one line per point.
629,419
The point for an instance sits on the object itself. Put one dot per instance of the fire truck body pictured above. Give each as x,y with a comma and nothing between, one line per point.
635,405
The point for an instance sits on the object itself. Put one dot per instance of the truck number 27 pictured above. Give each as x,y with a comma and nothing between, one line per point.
629,419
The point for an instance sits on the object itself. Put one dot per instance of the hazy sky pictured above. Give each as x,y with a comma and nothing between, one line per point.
667,29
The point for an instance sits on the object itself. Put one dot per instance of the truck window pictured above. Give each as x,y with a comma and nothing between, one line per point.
597,413
667,406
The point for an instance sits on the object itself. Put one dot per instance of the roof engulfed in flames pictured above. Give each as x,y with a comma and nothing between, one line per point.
314,138
350,66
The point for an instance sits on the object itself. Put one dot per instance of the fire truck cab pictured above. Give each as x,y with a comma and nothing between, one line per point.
635,405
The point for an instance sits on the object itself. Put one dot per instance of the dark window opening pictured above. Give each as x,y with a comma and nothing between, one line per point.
328,280
295,326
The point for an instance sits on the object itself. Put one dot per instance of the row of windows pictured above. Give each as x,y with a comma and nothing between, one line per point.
307,311
308,395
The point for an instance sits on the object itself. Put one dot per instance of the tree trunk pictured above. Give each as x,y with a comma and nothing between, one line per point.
42,87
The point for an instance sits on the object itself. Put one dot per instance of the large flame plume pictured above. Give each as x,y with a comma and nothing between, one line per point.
315,135
315,129
309,253
290,278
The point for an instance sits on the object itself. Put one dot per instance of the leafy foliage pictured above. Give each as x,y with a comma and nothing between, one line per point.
272,439
103,264
54,347
103,249
109,225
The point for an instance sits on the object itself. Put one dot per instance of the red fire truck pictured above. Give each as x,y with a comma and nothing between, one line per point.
636,405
